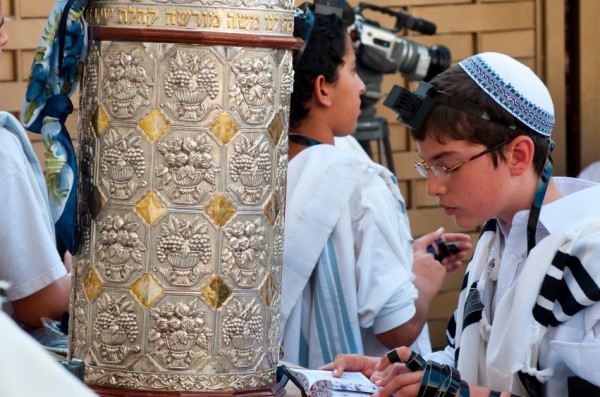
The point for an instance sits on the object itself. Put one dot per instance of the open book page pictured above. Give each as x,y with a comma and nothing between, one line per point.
323,383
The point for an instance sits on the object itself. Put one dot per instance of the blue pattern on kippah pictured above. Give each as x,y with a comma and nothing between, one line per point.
532,115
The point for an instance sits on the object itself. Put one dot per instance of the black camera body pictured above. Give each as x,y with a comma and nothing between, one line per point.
384,51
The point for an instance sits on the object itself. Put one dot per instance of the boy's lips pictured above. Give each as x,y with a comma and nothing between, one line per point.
449,210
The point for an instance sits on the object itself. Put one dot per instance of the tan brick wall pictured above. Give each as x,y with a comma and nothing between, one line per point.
530,30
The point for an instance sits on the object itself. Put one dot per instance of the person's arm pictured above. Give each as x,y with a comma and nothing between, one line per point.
429,277
29,260
391,299
385,290
51,301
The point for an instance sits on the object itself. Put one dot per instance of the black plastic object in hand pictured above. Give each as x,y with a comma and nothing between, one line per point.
443,250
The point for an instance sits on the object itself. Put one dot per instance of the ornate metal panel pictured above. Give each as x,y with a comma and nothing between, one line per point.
183,155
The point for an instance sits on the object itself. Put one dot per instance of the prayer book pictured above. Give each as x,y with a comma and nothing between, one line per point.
318,383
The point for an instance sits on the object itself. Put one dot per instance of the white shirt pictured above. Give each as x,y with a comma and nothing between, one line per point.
372,246
29,260
27,370
591,172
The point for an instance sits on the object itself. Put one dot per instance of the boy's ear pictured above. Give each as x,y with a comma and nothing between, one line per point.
520,154
321,91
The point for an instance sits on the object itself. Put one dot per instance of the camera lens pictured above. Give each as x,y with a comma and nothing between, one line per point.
419,62
440,61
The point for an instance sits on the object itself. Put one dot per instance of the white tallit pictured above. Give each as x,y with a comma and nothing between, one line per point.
338,284
493,356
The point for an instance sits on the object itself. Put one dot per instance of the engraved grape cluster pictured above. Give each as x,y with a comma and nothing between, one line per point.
123,150
242,319
251,156
181,236
177,78
116,316
191,72
168,244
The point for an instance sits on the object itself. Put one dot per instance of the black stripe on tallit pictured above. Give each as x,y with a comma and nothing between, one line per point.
451,331
473,307
489,226
456,354
549,290
465,282
567,300
558,291
532,386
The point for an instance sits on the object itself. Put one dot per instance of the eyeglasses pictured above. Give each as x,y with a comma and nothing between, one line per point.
1,21
441,172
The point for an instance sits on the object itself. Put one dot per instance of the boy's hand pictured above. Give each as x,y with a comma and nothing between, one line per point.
400,381
452,261
352,363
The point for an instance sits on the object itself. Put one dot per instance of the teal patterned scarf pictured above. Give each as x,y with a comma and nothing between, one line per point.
57,67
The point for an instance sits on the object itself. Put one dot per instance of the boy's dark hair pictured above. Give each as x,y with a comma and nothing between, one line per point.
322,55
445,122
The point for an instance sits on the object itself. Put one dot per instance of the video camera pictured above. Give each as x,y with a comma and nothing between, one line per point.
383,51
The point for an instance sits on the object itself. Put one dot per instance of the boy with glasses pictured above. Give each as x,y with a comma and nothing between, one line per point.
528,316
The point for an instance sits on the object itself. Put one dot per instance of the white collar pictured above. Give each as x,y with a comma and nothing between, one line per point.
580,201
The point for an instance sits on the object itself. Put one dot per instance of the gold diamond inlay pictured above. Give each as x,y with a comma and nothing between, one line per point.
100,120
267,291
217,292
147,290
272,209
150,207
224,128
155,125
220,210
276,129
91,284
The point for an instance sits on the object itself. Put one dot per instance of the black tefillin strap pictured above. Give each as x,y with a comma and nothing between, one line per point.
283,375
538,199
414,108
439,380
303,140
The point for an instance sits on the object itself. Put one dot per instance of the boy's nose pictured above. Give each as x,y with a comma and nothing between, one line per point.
435,186
362,87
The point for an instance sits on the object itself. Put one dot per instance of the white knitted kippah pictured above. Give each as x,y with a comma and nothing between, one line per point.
513,86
